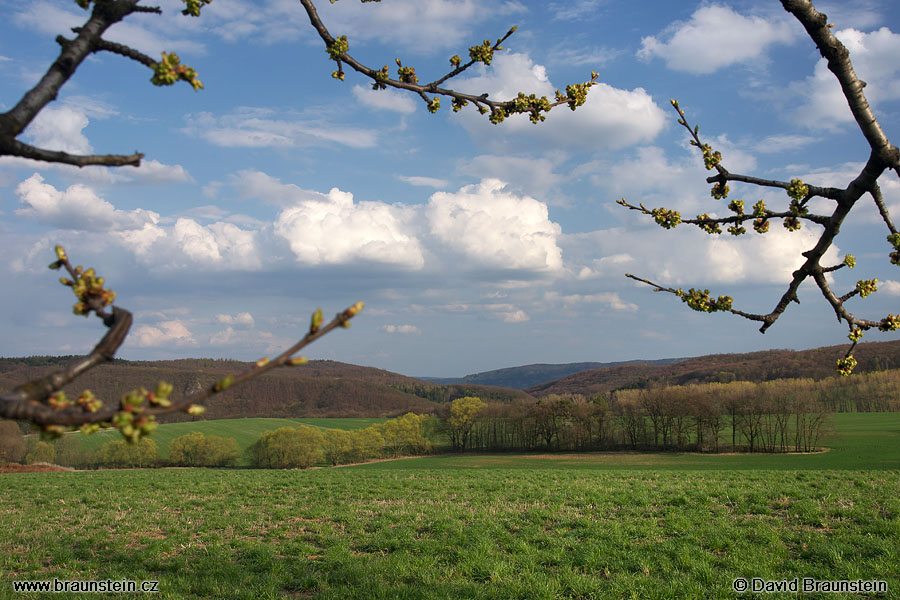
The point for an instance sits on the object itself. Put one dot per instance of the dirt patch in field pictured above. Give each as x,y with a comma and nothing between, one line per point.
35,468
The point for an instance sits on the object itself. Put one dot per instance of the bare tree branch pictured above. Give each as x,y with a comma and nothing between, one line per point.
575,94
838,59
71,55
40,402
883,156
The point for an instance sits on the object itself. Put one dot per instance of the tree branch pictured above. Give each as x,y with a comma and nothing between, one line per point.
838,58
71,55
41,402
574,97
13,147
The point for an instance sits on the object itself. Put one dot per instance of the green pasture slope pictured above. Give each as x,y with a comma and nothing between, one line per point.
501,526
245,431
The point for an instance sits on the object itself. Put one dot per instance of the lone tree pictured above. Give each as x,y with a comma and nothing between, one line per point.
41,402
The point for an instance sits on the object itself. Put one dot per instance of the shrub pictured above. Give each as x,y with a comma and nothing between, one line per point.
41,452
405,435
288,448
366,443
120,453
338,446
198,450
12,442
68,450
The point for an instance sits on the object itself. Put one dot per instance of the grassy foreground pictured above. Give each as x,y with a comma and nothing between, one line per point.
452,533
501,526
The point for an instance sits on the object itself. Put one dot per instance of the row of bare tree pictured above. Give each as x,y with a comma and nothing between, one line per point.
777,416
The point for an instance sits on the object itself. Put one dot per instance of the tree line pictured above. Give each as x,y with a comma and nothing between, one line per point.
775,416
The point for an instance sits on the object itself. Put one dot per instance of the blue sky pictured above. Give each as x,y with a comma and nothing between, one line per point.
277,189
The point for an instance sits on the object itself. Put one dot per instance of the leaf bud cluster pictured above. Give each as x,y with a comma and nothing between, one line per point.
711,158
576,94
706,224
792,223
498,115
89,402
169,70
406,74
701,301
846,365
894,240
798,190
338,48
192,7
458,104
483,53
867,286
87,286
533,105
890,323
719,191
58,401
668,219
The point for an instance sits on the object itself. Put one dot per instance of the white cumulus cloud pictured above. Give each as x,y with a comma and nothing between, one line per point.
388,99
874,57
404,329
59,128
78,207
492,227
243,319
611,117
332,229
166,333
715,37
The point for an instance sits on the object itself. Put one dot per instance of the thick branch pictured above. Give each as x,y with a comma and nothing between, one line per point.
838,59
14,147
71,55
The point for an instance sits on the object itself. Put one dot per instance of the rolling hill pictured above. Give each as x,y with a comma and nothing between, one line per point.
321,388
766,365
526,376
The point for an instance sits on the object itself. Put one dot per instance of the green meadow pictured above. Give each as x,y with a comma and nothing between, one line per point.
500,526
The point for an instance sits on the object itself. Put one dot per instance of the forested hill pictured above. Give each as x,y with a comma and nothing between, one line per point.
526,376
321,388
754,366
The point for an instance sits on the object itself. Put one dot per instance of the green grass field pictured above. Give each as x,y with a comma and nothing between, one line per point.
499,526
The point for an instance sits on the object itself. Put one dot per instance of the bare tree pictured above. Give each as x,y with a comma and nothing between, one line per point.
883,156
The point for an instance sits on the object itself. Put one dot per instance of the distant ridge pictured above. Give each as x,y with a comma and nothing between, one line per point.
321,388
765,365
520,378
